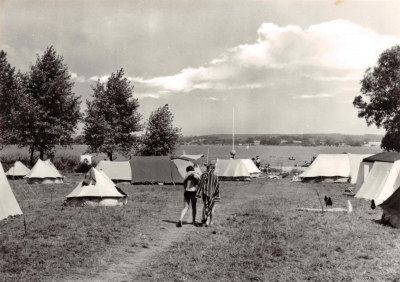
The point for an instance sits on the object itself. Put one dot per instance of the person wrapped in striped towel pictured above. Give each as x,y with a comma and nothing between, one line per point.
209,190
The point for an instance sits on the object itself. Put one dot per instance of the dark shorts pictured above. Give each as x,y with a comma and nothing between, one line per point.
190,195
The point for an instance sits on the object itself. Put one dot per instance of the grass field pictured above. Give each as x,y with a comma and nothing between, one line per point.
258,235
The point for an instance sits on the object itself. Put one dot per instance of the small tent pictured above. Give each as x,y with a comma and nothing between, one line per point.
251,168
116,171
44,172
231,170
96,190
8,204
18,170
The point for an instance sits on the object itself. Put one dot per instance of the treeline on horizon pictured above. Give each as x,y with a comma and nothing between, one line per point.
334,139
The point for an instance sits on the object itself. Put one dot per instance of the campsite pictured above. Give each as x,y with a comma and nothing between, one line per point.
258,235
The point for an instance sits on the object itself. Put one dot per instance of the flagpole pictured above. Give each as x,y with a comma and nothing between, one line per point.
233,138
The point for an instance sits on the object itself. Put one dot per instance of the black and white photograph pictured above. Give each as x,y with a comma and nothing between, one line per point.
199,140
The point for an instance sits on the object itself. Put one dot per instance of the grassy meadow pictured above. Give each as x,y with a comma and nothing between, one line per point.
258,234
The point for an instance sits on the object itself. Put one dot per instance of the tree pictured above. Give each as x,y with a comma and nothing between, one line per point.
161,137
50,109
10,95
250,141
112,117
264,141
381,87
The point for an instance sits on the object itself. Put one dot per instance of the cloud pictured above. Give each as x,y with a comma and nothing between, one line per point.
95,78
77,78
321,95
330,51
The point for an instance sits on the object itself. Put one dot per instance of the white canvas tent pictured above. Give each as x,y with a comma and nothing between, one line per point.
96,190
44,172
181,165
231,170
363,171
382,181
251,167
116,171
334,168
8,204
18,170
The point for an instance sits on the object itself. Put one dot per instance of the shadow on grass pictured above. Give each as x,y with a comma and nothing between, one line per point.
183,222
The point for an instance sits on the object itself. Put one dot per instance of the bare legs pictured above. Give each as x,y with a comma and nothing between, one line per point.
186,203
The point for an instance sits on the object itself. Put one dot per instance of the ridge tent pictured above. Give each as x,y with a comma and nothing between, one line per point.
158,169
18,170
333,168
181,165
231,170
328,168
44,172
251,167
381,182
8,204
355,162
116,171
368,163
96,190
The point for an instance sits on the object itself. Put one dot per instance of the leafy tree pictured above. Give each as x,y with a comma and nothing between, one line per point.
161,137
264,141
10,95
250,141
381,87
112,118
51,110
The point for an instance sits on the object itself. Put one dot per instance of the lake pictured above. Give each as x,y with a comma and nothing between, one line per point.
274,155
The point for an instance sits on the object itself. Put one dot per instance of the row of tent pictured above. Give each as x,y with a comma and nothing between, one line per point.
376,177
98,188
140,170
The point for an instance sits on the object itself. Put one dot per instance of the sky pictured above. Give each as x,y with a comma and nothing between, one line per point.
276,66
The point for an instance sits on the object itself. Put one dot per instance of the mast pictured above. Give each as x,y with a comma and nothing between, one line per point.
233,138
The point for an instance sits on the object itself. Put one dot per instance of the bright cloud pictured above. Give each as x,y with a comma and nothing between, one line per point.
77,78
330,51
322,95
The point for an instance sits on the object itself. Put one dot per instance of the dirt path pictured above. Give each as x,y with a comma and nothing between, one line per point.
126,261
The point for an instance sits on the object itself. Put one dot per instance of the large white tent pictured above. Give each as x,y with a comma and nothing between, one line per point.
382,181
368,163
44,172
334,168
8,204
18,170
231,170
96,190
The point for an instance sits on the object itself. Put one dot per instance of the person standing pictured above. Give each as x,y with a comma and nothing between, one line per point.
209,191
258,162
189,196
